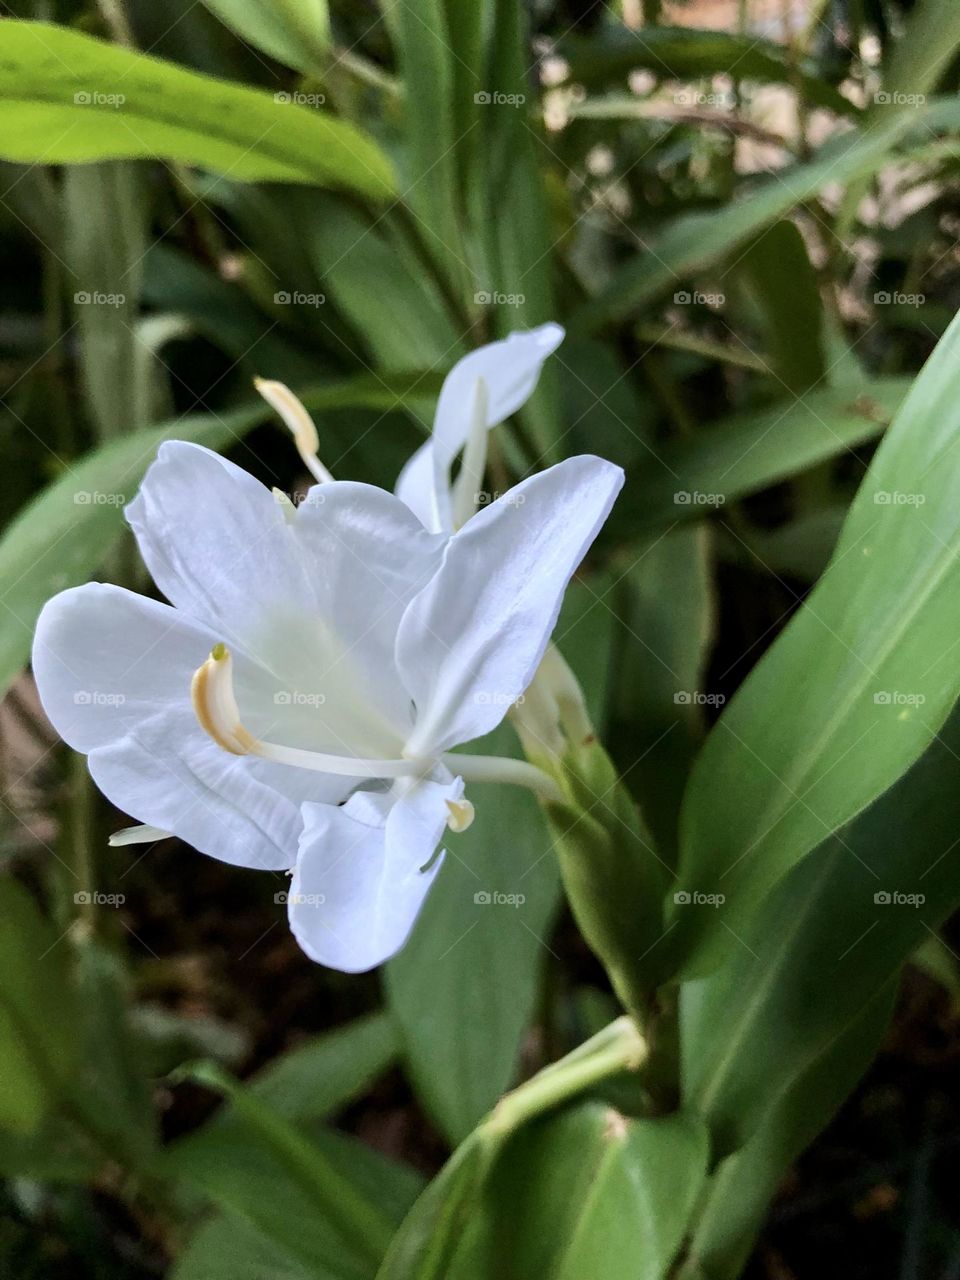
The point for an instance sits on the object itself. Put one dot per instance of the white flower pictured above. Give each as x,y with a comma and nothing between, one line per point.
336,652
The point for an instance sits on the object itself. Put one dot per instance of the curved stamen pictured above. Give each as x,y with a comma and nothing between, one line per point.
215,705
302,427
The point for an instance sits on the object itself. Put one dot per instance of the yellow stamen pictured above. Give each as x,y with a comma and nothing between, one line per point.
302,427
215,705
461,814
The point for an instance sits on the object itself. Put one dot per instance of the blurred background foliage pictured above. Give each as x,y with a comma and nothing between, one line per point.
746,215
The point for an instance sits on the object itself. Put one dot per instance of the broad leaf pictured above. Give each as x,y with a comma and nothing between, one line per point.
700,475
845,922
851,693
296,32
66,97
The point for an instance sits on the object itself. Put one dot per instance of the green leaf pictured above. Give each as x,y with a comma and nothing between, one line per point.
782,285
590,1192
845,921
697,475
736,1199
700,240
312,1191
490,913
68,98
106,217
665,639
295,32
852,691
681,54
319,1077
922,55
60,538
227,1247
38,1019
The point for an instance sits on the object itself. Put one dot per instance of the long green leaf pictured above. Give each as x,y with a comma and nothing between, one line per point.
275,1173
296,32
736,1199
66,97
851,693
700,240
682,54
699,475
844,921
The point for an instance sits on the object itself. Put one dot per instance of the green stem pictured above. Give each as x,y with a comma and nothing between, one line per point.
618,1047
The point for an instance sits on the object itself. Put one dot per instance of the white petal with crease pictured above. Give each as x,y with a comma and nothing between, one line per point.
470,642
359,883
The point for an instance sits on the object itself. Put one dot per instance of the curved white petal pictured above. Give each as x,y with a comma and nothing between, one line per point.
470,642
113,672
510,369
415,487
360,880
216,541
313,595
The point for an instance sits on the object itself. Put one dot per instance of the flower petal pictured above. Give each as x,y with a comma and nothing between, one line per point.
313,596
415,488
510,368
470,642
216,541
113,672
359,883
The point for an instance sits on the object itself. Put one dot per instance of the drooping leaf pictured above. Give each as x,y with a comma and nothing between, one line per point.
296,32
316,1194
67,97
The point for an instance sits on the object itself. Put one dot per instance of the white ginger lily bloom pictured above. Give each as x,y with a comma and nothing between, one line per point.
296,703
